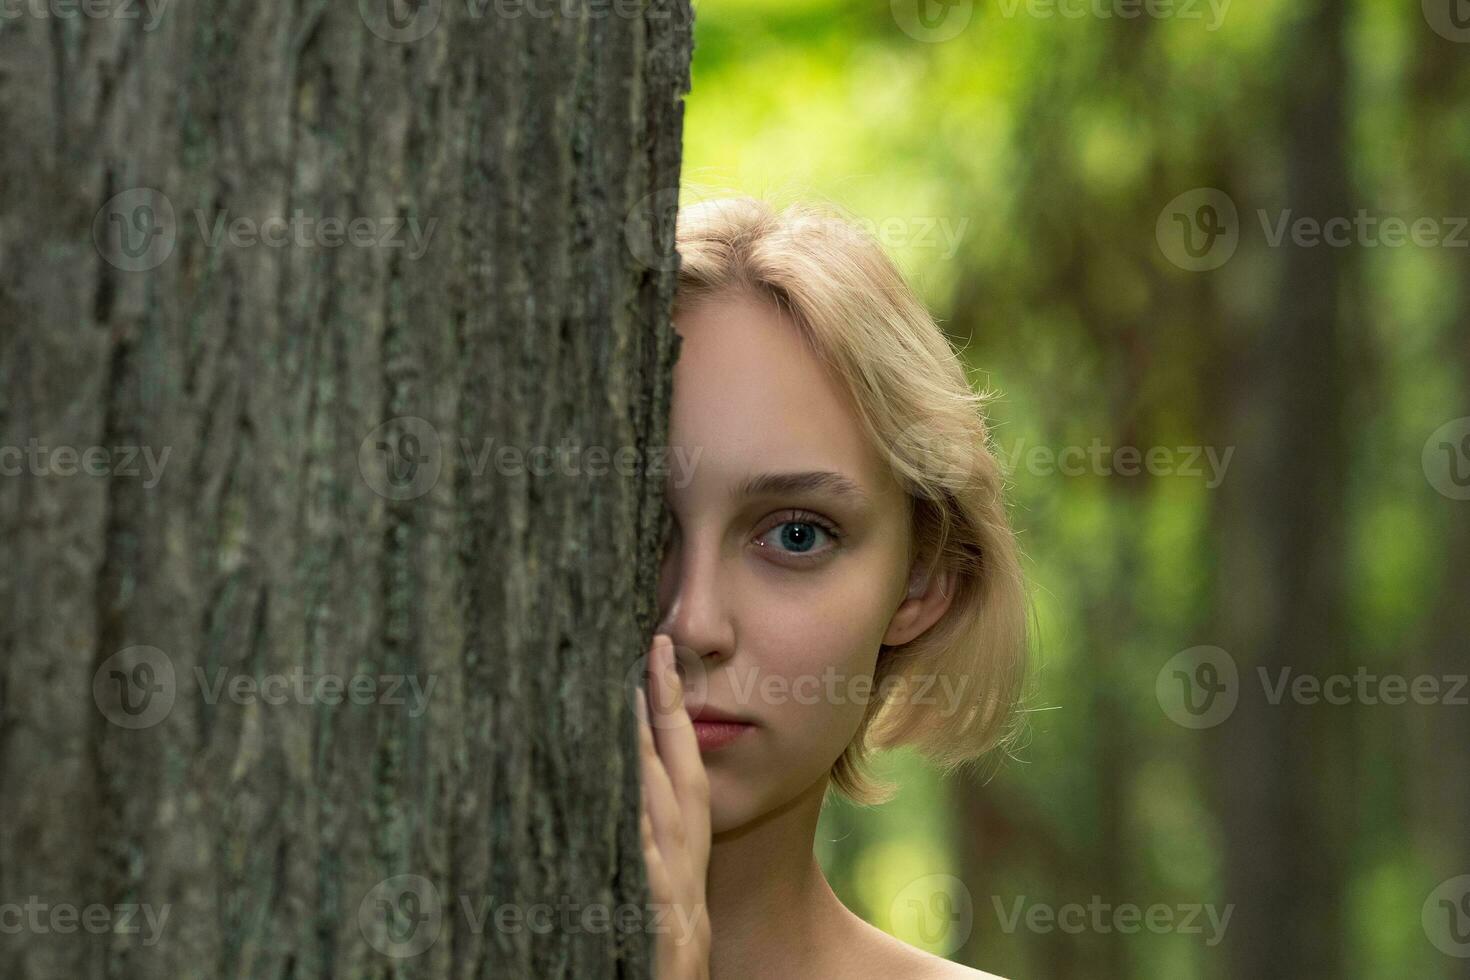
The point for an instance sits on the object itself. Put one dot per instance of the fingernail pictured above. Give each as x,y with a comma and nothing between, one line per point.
640,705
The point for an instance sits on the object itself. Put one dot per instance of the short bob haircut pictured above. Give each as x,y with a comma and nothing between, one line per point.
911,391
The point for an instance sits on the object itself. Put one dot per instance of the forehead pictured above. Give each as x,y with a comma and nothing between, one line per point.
753,398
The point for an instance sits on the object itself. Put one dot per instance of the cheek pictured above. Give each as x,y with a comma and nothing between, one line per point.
809,644
817,648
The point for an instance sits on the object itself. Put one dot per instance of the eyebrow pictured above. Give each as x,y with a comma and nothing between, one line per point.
811,481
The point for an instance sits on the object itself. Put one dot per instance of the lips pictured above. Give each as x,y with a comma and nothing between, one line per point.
715,729
713,735
704,712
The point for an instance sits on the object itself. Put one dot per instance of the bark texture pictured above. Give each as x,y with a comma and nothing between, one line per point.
334,418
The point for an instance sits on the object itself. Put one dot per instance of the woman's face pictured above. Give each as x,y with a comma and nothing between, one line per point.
789,562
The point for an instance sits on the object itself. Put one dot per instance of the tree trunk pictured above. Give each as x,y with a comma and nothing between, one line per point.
1283,771
1440,782
313,664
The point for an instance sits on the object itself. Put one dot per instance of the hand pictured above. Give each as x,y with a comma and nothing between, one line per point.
675,820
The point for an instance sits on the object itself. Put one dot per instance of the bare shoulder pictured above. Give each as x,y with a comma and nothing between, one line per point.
875,953
948,970
922,965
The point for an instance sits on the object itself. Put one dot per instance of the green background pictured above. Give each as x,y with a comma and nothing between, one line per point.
1019,171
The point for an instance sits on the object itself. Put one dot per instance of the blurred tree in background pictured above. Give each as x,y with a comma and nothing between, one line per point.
1214,258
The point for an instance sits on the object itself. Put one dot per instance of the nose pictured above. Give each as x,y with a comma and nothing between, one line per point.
694,607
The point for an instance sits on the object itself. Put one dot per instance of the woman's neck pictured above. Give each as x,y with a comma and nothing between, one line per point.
768,898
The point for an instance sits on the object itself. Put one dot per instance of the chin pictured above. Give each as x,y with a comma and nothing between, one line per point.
731,804
737,801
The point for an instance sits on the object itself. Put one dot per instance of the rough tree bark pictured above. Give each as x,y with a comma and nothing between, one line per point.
334,411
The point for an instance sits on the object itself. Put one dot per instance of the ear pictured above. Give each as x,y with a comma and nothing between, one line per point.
929,594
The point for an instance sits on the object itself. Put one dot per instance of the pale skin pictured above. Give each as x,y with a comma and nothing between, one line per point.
764,592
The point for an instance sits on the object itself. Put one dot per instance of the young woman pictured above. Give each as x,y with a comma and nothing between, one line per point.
841,547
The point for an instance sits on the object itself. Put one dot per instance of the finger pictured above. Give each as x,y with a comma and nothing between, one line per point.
677,744
660,883
660,802
665,699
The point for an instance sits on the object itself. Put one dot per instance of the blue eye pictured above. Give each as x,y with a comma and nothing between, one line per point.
800,537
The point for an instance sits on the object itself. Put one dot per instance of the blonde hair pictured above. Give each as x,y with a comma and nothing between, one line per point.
915,401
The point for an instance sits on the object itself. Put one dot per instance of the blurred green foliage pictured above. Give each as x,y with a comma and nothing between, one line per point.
1018,171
